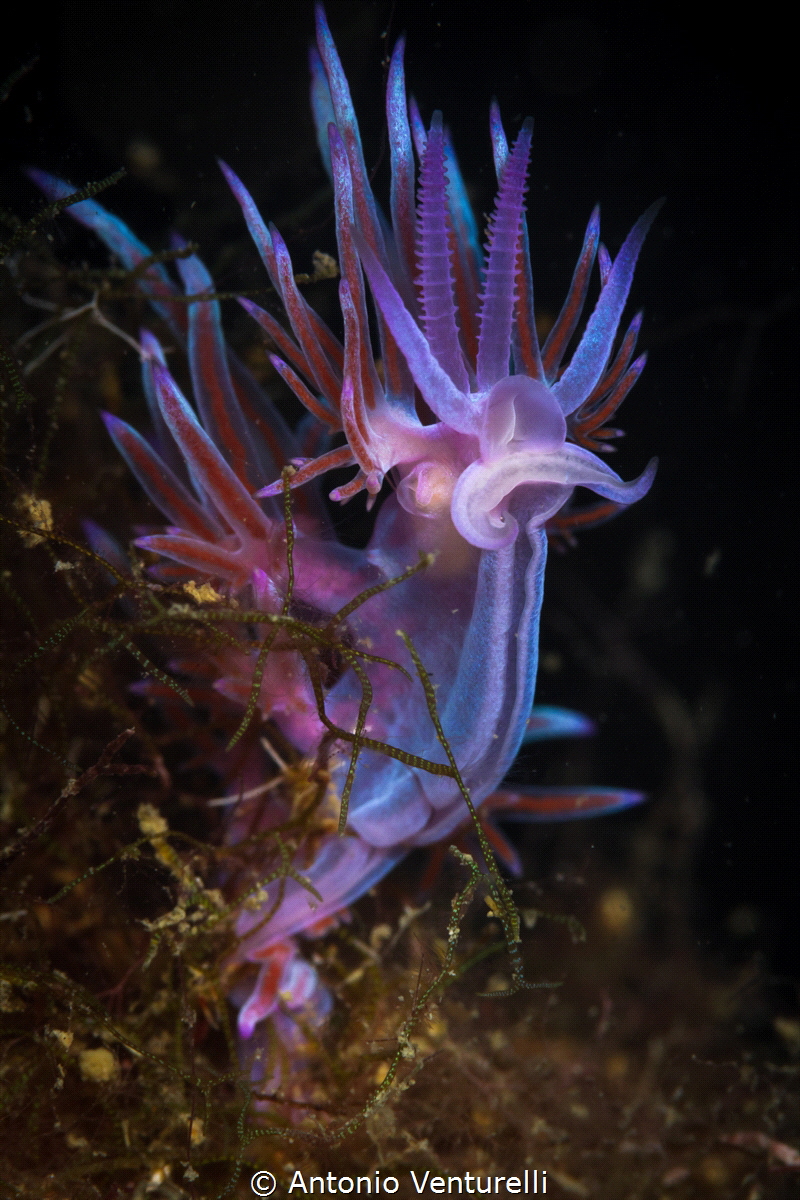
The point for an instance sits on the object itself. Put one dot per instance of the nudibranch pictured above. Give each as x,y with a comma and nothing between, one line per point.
479,434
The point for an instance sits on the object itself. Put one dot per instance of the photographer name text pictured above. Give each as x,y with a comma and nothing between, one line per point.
527,1183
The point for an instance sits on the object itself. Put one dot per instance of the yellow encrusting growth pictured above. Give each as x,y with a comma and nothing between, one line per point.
97,1066
204,594
36,512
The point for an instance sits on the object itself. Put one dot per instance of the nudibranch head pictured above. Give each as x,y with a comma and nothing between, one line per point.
523,443
456,329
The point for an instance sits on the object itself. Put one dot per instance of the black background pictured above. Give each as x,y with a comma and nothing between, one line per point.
627,109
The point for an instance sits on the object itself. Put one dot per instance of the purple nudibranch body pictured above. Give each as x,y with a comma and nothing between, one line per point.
483,433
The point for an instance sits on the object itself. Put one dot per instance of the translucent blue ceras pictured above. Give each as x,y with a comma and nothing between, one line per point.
482,434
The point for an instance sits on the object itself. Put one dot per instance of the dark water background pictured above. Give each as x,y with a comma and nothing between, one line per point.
696,581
